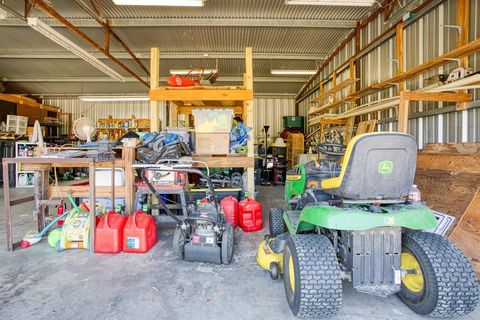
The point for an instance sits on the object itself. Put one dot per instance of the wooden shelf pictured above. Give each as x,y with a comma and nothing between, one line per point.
203,96
228,161
321,121
339,87
332,105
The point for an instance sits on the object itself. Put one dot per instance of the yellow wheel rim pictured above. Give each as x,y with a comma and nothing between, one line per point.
291,274
413,281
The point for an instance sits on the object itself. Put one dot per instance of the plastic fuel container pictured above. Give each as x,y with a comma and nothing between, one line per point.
140,233
229,206
109,233
250,215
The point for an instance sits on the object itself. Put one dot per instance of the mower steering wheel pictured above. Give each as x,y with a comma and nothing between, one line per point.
327,149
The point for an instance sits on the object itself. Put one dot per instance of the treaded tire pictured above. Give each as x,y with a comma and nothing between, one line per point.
179,243
450,286
318,282
276,225
228,239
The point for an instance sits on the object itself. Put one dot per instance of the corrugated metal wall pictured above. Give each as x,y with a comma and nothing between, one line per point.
268,111
424,38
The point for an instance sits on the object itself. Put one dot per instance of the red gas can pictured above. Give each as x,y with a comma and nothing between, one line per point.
229,206
140,233
250,215
109,233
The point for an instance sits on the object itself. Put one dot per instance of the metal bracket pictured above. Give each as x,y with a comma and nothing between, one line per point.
454,26
458,61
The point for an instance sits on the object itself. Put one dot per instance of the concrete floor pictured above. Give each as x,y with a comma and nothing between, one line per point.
39,283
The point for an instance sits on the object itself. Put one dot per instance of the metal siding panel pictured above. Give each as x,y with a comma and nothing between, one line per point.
270,111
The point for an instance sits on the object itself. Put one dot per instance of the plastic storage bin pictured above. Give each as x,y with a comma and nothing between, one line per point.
213,120
103,177
293,122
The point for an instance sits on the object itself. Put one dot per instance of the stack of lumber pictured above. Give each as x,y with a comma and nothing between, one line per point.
448,176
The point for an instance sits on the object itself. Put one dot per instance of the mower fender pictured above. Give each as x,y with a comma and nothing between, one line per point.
415,217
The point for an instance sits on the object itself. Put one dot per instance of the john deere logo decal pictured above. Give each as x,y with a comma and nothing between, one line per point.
385,167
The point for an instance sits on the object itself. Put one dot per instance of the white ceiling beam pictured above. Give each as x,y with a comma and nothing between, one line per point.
163,55
132,79
196,22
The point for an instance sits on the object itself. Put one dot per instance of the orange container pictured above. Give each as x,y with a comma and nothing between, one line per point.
140,233
109,233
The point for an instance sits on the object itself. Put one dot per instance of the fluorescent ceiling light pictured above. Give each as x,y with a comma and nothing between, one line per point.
294,72
351,3
166,3
114,98
194,72
56,37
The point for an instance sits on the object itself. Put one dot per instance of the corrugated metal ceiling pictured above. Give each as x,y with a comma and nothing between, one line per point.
254,9
281,42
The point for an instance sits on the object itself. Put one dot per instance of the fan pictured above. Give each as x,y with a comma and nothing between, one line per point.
84,128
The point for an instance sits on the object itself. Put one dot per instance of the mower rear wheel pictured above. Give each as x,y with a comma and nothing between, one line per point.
441,282
276,224
228,239
312,278
179,243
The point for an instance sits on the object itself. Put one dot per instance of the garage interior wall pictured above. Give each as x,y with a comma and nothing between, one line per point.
425,37
268,111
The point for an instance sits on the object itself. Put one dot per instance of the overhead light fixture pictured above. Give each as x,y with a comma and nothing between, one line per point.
351,3
192,72
294,72
166,3
113,98
58,38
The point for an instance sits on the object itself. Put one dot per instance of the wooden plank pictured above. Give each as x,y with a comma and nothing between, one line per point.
225,162
464,148
334,90
449,162
368,108
445,191
195,95
84,191
467,233
154,83
249,114
436,96
399,51
403,110
6,206
129,158
332,105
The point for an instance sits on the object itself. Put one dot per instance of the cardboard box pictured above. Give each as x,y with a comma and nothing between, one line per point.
212,143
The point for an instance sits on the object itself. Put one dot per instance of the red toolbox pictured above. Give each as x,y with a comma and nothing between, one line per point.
109,233
140,233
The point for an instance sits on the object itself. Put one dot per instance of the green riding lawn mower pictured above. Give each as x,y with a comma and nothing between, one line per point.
360,222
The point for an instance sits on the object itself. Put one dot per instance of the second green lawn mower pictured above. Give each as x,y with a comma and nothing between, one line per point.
361,222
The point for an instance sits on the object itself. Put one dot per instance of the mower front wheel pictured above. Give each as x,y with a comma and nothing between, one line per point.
312,278
228,239
276,224
440,280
